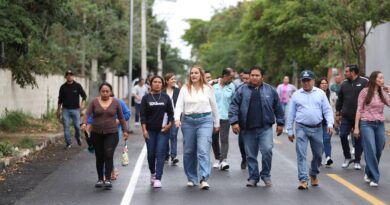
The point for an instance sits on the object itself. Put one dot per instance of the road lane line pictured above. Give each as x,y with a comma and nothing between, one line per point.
126,200
370,198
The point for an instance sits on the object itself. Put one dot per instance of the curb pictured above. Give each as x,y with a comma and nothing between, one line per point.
21,154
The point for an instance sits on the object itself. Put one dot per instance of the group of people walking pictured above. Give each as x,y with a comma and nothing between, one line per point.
204,110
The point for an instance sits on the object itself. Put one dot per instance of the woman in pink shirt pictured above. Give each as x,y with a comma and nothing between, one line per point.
371,103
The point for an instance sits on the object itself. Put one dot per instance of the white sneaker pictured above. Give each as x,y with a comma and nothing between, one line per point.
346,163
137,124
216,164
224,165
373,184
190,184
357,166
366,179
204,185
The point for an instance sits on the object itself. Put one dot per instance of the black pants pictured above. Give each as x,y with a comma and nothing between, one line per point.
105,145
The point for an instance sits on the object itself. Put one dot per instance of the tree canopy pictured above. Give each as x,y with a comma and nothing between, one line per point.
51,36
286,36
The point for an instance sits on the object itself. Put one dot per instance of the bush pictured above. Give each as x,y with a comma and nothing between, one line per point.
6,149
26,143
11,121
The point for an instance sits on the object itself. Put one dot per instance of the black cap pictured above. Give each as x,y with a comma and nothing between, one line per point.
68,72
307,74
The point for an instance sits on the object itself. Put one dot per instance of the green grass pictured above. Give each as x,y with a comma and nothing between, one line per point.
6,149
12,120
26,143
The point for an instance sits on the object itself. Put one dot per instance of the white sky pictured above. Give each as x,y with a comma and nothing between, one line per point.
175,13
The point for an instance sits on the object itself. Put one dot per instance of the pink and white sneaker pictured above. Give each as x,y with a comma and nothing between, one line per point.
157,184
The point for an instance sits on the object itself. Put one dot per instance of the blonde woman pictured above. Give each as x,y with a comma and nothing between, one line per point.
197,103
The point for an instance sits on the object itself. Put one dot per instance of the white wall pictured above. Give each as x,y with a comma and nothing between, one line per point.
33,101
378,54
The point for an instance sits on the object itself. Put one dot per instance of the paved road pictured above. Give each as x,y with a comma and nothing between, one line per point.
73,182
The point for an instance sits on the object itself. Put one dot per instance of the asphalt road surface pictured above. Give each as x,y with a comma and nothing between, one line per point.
73,181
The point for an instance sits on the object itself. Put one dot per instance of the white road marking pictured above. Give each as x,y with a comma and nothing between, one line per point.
126,200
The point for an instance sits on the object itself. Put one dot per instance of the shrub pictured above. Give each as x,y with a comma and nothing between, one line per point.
26,143
11,121
6,149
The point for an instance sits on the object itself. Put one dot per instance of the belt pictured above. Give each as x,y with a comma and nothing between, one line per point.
198,115
311,126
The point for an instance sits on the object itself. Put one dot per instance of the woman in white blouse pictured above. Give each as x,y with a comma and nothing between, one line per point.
200,115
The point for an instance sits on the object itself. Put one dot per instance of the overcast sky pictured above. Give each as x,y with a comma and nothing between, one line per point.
175,13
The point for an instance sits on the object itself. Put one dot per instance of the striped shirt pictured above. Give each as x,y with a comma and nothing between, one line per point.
374,110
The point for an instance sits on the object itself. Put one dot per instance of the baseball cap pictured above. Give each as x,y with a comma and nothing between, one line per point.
307,74
68,72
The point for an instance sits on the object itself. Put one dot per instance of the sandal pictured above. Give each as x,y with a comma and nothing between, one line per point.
114,174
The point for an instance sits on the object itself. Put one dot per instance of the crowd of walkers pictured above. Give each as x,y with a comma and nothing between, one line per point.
204,109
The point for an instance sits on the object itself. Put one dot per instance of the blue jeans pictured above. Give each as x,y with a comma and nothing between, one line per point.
345,129
197,144
255,140
373,140
67,114
137,111
303,136
156,145
173,140
326,138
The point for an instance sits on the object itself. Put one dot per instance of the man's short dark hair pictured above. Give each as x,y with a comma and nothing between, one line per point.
227,72
207,71
353,68
256,68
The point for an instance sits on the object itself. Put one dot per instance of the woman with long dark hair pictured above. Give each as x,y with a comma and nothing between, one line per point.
155,128
323,84
371,103
173,92
104,131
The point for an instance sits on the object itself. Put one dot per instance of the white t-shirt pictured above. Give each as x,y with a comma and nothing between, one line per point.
140,91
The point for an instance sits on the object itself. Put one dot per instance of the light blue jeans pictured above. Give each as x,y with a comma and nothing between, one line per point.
255,140
197,144
373,140
73,114
303,136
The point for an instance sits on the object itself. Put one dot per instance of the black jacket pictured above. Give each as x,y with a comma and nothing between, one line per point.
348,97
69,95
175,95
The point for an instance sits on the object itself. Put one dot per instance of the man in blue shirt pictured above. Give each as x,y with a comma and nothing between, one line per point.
253,111
308,106
224,91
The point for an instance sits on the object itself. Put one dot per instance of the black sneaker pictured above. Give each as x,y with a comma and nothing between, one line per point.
243,164
68,146
107,184
174,161
99,184
78,141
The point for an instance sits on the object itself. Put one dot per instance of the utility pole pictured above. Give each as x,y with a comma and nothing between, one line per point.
83,47
159,60
130,77
143,40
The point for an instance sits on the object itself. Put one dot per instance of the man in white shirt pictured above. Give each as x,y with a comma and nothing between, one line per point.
138,92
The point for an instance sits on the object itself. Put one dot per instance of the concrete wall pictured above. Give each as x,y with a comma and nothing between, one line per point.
378,54
34,101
